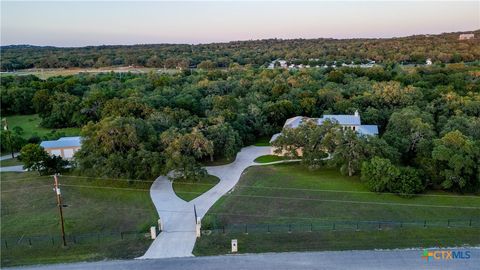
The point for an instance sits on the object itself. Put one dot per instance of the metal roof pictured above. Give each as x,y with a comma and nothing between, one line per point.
63,142
274,137
342,119
294,122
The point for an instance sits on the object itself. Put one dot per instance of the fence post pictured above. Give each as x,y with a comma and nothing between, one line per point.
6,244
334,226
425,223
268,228
29,242
53,241
448,223
311,227
357,227
246,229
121,235
223,229
401,224
470,224
379,226
289,228
74,240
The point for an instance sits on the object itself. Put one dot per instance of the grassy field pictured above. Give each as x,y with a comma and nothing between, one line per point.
31,126
10,162
189,190
269,158
97,212
336,240
47,73
291,194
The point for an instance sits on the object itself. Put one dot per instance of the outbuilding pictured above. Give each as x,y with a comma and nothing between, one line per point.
64,147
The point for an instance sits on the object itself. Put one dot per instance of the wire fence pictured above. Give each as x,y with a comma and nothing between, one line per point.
44,241
340,226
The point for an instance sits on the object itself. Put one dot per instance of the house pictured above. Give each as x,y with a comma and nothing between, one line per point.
64,147
346,121
282,63
466,36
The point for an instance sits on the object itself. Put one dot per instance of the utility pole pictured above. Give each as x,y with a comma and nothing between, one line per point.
60,206
5,127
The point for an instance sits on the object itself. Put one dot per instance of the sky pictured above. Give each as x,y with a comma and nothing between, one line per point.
82,23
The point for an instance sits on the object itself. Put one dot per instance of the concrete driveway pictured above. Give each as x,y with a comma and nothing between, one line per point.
178,218
9,156
18,168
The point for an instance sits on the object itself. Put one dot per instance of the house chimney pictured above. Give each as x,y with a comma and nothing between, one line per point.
356,113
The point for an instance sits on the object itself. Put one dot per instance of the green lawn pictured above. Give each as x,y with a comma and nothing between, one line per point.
31,126
219,243
285,194
10,162
189,190
269,158
97,212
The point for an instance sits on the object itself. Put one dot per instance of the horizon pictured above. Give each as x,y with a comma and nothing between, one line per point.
245,40
81,24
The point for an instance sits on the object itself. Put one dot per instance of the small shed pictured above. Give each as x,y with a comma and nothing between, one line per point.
64,147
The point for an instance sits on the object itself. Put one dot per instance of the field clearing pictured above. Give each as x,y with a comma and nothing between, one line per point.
290,194
47,73
103,219
31,126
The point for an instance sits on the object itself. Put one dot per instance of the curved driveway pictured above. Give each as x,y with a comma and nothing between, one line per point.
178,236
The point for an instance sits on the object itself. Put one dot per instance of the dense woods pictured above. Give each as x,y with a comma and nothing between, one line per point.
444,48
142,125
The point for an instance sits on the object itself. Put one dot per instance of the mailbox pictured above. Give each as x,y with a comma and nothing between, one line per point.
234,246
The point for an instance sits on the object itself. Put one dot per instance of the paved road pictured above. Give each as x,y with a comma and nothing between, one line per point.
178,236
18,168
11,168
358,260
8,156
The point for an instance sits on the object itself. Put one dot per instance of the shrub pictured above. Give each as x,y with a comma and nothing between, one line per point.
408,182
379,174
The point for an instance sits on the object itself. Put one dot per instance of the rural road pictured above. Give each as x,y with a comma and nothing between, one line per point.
11,168
178,236
18,168
8,156
358,260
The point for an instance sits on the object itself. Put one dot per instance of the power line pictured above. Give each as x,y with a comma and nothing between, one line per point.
113,179
295,189
276,197
114,188
26,188
44,177
271,187
302,199
353,202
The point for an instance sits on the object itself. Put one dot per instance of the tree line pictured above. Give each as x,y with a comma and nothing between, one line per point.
444,48
142,125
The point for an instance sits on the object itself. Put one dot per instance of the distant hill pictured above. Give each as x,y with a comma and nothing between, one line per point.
445,48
